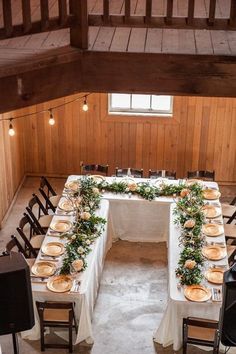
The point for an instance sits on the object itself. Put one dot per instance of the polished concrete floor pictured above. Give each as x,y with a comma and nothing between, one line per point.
131,300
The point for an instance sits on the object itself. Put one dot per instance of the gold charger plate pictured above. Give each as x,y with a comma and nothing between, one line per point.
72,185
65,205
211,194
61,225
60,283
215,275
43,269
53,249
98,178
214,253
197,293
211,211
213,230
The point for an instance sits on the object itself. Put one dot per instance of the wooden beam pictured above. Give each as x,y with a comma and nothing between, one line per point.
44,9
62,6
127,10
169,12
79,30
7,17
212,11
106,11
148,11
190,18
232,20
203,75
26,13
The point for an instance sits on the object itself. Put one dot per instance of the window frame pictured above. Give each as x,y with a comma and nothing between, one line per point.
139,111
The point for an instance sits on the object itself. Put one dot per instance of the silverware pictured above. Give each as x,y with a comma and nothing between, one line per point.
219,266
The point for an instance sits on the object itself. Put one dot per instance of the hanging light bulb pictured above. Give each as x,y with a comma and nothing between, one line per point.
85,105
11,130
51,119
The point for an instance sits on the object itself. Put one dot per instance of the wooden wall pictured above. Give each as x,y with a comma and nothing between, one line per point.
11,163
201,135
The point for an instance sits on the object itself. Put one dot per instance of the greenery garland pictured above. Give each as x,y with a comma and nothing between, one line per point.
87,226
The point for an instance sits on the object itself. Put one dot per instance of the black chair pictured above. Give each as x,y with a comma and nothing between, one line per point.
56,314
228,209
123,172
39,214
31,235
205,175
14,244
201,331
48,193
162,173
88,169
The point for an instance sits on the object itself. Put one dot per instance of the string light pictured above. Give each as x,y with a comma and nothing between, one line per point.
11,130
85,105
51,119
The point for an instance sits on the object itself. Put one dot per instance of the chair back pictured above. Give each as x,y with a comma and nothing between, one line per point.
87,169
14,243
162,173
47,187
48,203
122,172
232,218
36,202
206,175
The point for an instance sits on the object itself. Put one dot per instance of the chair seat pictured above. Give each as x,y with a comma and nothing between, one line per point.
230,250
37,240
230,230
201,333
227,210
56,315
45,221
55,200
30,262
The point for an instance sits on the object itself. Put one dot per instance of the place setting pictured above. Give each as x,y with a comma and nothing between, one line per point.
59,227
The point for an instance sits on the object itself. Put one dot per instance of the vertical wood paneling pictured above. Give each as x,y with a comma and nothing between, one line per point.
201,135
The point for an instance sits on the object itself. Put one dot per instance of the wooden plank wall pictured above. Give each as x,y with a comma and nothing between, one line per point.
11,164
201,135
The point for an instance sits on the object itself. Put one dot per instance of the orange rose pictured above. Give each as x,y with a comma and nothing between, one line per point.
184,192
189,224
189,264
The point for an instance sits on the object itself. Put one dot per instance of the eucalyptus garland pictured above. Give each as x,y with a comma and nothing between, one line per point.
87,226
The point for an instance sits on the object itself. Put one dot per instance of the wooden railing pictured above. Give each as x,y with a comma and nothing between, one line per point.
167,20
73,14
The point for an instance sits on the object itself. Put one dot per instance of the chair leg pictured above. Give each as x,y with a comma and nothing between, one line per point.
70,338
42,338
184,338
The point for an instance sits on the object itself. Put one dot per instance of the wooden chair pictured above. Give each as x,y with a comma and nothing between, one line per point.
56,314
48,193
201,331
88,169
228,209
31,236
205,175
14,244
123,172
42,219
162,173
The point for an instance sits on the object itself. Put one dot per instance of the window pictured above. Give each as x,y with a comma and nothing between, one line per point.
136,104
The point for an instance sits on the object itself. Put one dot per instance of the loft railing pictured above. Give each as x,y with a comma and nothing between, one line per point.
74,14
71,14
169,20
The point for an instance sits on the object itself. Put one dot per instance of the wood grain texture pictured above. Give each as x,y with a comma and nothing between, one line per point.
200,135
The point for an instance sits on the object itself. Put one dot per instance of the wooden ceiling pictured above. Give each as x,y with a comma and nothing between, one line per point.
155,57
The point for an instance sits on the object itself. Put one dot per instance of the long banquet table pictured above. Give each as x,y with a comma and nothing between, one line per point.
134,219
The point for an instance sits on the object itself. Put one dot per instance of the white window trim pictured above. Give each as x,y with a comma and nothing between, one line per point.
140,112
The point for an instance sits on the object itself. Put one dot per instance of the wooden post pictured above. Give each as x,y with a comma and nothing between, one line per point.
190,18
106,11
62,11
148,11
212,11
44,14
26,13
7,17
169,12
232,20
79,30
127,11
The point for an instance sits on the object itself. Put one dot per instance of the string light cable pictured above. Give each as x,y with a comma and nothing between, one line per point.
51,121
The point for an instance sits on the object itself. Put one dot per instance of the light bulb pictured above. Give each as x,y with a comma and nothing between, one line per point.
85,106
51,119
11,130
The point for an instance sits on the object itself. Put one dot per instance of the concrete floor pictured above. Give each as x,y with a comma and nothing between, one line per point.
132,295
